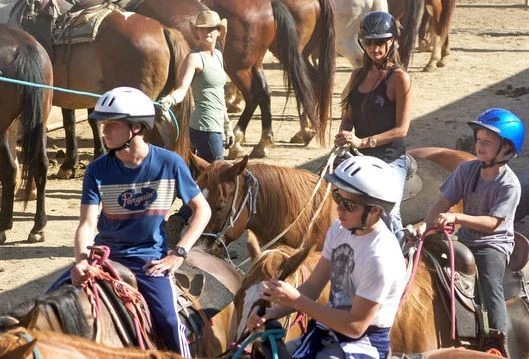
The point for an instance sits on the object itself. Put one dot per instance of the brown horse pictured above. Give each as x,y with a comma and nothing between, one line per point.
435,20
269,265
20,343
22,58
254,26
423,322
264,199
145,55
209,318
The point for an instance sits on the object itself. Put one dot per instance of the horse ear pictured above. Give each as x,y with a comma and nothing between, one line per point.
22,351
198,164
236,169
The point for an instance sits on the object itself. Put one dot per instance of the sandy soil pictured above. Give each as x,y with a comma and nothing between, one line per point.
490,52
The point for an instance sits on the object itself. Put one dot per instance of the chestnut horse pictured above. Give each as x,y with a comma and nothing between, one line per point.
208,318
436,20
423,322
269,265
144,54
264,199
254,26
19,343
22,58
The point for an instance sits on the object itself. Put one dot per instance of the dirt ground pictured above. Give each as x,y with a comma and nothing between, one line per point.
490,52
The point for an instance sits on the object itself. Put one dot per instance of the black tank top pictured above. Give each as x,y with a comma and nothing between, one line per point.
374,113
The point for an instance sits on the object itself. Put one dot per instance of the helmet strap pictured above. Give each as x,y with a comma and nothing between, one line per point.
363,224
494,162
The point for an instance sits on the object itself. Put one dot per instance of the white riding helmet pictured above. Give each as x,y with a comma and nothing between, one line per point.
368,177
125,103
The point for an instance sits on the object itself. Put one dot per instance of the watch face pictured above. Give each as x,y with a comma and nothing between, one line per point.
181,251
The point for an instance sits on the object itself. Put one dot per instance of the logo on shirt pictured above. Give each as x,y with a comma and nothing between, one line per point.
135,200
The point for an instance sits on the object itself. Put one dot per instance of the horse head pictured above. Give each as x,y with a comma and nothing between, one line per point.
226,190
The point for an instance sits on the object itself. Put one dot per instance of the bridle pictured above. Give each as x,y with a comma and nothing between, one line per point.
250,200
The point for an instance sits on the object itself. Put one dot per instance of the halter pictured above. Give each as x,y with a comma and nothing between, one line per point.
250,199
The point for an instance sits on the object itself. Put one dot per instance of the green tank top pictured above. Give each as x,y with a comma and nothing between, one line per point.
208,93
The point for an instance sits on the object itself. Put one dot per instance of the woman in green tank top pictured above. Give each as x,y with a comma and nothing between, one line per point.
203,71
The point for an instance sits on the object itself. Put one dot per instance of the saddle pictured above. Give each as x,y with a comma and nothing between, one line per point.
194,309
471,317
54,22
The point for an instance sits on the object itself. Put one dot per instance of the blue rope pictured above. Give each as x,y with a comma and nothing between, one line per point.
82,93
28,338
269,334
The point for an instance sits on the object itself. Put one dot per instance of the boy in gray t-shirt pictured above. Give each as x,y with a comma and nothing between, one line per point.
490,191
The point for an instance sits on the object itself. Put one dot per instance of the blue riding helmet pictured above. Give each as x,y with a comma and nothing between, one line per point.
378,25
504,123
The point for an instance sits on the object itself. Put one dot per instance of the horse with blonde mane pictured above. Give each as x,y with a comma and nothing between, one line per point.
266,200
270,264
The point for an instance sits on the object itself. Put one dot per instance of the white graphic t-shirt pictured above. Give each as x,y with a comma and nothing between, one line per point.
370,266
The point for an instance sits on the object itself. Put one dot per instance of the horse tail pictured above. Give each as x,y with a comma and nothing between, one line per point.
179,49
296,74
324,35
410,21
29,66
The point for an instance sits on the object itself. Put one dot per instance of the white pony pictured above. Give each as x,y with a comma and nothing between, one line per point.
347,17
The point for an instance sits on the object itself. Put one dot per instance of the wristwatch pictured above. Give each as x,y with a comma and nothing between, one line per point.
181,252
372,142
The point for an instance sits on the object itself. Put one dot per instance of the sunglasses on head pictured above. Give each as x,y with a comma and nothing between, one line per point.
349,205
374,42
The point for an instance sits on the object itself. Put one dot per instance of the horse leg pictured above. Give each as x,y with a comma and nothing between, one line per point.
96,134
7,179
445,51
41,173
244,80
436,52
267,135
67,169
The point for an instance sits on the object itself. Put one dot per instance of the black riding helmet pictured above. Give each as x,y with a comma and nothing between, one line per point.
378,25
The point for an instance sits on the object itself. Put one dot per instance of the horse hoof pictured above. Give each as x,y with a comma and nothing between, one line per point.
429,68
259,152
36,237
2,237
302,137
236,152
441,64
65,174
231,108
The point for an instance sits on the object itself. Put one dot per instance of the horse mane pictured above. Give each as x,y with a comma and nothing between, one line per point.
287,205
422,291
55,343
271,263
63,302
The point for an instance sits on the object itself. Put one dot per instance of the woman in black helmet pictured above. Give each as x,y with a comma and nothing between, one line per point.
377,102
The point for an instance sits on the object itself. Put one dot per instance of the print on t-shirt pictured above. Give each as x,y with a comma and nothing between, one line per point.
342,288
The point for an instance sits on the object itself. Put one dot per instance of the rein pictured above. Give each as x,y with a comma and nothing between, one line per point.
447,231
131,298
250,199
336,151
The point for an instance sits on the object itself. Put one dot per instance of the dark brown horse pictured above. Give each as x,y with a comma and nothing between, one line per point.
209,318
254,26
144,54
22,58
264,199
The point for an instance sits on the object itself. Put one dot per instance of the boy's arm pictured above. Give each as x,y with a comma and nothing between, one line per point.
483,224
441,206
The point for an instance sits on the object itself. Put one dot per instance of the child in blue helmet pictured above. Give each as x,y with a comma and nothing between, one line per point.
490,191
